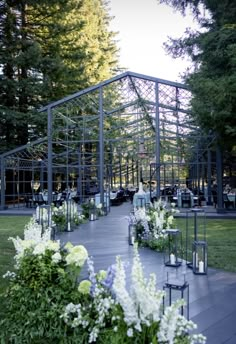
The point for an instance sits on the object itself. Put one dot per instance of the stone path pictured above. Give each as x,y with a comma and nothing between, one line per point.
212,296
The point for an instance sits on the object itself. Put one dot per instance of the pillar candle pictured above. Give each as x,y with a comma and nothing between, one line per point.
201,266
195,256
172,259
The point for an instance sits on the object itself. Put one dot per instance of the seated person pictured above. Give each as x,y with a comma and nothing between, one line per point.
227,188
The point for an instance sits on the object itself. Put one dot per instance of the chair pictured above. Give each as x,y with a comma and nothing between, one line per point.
186,199
116,198
56,200
38,199
227,203
28,200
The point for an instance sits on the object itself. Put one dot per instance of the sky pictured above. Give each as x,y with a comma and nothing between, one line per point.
143,26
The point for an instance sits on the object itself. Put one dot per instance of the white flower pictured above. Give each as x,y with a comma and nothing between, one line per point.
39,249
53,245
9,274
56,257
170,219
77,256
130,332
122,296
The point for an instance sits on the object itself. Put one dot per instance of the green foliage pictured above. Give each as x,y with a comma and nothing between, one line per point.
212,50
45,281
9,226
221,240
48,49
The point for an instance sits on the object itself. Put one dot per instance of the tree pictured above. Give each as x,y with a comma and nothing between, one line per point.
213,78
48,49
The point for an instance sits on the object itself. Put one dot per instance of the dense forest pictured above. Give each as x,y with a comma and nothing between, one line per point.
49,49
212,80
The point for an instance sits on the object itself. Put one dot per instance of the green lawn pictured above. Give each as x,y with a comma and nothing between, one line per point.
221,239
10,226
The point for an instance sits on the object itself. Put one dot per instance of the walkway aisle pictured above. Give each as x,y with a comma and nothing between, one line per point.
212,297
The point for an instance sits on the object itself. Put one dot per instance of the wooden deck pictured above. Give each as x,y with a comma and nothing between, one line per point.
212,296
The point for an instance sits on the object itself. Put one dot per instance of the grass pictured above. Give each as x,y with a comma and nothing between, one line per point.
10,226
221,241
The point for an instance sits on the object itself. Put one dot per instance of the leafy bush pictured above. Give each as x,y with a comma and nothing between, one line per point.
44,282
151,224
45,303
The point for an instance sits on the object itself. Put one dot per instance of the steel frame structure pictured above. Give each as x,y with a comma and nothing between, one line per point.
124,129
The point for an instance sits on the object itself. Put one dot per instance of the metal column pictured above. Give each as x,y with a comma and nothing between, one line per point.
101,148
49,164
2,206
158,160
219,171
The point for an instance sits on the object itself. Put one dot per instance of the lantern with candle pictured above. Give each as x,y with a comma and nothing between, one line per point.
173,254
44,216
92,210
176,287
195,231
199,257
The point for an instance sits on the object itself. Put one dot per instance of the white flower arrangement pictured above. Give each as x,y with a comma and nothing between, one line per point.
107,308
61,215
151,223
135,313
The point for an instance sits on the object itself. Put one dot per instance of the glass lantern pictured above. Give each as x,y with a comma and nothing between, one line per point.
173,254
69,210
199,249
176,287
195,231
132,233
44,216
92,214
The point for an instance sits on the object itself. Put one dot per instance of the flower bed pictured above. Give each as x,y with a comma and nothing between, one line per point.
46,302
151,224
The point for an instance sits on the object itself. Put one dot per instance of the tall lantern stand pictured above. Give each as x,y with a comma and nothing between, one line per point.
69,223
173,254
92,213
44,216
132,233
196,245
200,257
177,288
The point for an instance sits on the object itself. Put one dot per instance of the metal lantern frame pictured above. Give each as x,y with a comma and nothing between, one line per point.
132,233
92,213
173,254
179,287
196,219
45,216
69,213
200,263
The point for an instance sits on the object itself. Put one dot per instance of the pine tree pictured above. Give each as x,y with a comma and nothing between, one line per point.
212,50
48,49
